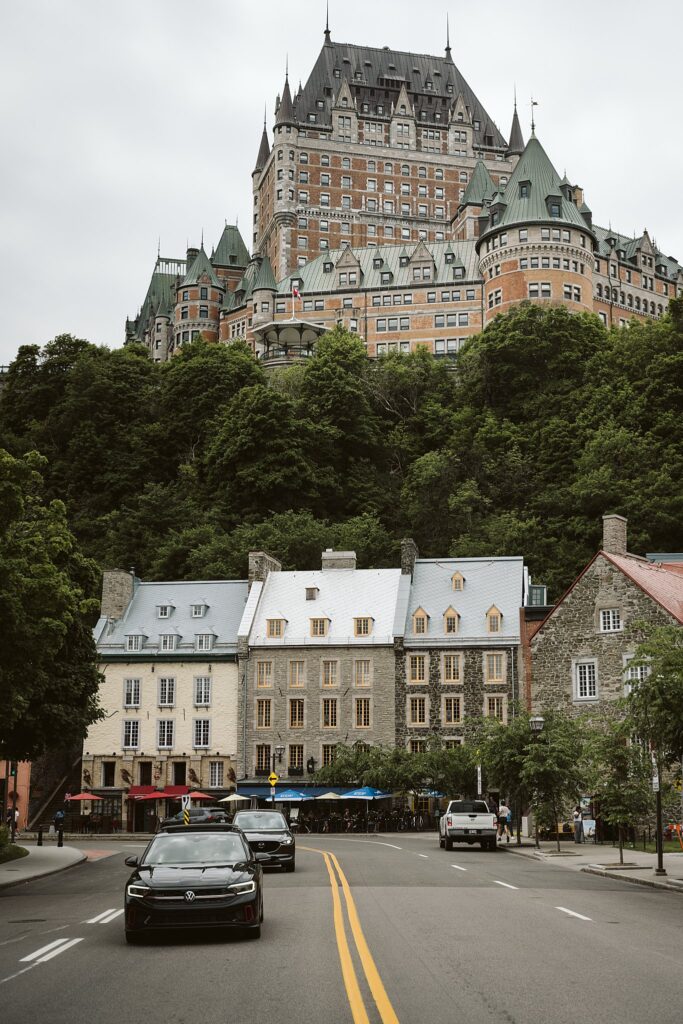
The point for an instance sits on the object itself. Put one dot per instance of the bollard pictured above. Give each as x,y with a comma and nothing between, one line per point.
40,837
60,837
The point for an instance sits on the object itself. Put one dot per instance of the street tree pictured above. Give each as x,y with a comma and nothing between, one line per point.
553,770
655,702
503,751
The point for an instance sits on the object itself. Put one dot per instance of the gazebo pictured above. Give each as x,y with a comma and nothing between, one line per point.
283,342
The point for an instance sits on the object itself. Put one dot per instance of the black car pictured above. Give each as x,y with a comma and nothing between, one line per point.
194,876
199,815
268,833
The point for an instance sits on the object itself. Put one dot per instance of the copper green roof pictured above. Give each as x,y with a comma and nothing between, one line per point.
231,250
516,144
199,268
480,186
265,277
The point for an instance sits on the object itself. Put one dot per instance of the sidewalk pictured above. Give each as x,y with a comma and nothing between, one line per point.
603,860
41,860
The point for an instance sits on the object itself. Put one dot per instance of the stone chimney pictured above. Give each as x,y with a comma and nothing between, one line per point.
338,559
117,592
409,553
260,564
614,535
191,255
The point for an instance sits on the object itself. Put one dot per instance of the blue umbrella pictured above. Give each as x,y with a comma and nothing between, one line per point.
292,796
366,793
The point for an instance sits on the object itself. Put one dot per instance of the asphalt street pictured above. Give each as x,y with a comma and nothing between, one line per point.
388,929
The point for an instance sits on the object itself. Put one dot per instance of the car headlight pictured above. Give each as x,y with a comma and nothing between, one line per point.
287,842
137,890
242,887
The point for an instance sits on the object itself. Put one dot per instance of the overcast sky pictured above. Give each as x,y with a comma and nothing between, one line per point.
124,121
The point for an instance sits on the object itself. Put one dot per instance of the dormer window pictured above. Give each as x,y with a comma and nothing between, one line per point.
275,627
203,641
458,581
524,189
312,593
134,642
420,621
319,627
451,621
362,626
167,641
494,620
164,611
197,610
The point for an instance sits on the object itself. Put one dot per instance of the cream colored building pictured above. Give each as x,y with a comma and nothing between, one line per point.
168,655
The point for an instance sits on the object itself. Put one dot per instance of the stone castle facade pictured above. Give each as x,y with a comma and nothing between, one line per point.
388,201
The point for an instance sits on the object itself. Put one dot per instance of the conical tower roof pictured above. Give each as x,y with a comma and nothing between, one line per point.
285,112
516,144
480,186
199,268
265,277
264,150
231,250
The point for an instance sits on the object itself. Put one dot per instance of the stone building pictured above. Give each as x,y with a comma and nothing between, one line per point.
168,656
580,654
460,655
387,184
317,664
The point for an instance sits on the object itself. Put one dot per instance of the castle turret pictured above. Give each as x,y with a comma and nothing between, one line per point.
516,143
199,298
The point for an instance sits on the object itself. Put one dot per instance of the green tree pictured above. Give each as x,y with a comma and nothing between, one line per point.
503,751
48,672
553,772
655,703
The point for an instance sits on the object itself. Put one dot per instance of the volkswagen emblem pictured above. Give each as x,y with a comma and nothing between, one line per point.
189,896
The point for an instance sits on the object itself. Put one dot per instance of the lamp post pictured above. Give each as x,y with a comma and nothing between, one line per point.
536,723
277,753
660,869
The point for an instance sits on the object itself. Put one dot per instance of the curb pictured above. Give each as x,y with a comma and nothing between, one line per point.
649,882
43,874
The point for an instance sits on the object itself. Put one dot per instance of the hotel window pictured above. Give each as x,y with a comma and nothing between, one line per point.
362,626
545,290
296,713
585,680
610,620
495,668
329,673
165,732
274,627
324,199
296,673
420,622
263,713
494,707
166,691
361,672
202,691
204,641
319,627
131,733
493,620
417,668
263,764
451,668
452,707
202,732
451,621
329,711
131,693
418,710
362,713
296,756
264,673
216,774
167,641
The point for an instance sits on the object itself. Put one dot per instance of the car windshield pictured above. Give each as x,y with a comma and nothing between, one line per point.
196,848
468,807
259,820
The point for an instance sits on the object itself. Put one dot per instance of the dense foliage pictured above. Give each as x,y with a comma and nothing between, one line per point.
546,421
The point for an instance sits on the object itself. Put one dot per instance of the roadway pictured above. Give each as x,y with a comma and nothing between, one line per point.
389,929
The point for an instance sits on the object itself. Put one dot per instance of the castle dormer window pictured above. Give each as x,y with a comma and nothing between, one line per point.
420,622
524,189
494,620
451,621
457,581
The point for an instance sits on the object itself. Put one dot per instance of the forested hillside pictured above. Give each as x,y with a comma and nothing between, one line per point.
179,469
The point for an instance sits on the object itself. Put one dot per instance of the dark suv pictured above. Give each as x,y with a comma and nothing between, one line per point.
269,836
200,816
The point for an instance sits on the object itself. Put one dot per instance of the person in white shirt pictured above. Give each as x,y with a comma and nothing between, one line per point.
503,827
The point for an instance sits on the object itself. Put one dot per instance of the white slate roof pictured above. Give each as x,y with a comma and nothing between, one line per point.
488,581
225,601
343,594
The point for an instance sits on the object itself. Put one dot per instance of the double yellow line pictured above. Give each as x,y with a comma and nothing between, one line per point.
353,992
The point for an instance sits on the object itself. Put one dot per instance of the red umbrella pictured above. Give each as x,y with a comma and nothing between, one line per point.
150,796
195,795
86,796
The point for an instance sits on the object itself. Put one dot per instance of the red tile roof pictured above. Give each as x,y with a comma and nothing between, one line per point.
663,583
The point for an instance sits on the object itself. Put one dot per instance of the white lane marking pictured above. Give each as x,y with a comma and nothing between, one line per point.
112,917
373,842
43,949
423,855
17,973
95,920
458,868
506,884
60,949
17,938
572,913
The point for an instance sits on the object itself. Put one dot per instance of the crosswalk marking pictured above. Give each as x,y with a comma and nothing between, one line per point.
43,949
95,920
61,949
111,917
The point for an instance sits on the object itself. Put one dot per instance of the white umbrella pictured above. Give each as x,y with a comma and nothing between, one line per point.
234,798
329,796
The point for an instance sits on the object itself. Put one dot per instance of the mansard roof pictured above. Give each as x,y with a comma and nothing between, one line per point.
231,250
199,269
385,70
631,246
160,296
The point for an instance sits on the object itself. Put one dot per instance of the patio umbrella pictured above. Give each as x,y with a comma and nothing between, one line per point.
86,796
329,796
150,796
292,796
235,798
196,795
366,793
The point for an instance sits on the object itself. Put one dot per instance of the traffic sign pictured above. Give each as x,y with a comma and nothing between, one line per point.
185,801
272,778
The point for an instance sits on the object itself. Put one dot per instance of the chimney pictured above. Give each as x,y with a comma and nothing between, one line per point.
614,535
117,592
409,553
338,559
260,564
191,255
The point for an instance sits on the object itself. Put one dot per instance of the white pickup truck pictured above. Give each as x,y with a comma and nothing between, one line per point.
468,821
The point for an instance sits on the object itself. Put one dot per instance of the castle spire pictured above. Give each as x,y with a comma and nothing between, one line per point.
327,24
516,144
448,40
285,112
264,148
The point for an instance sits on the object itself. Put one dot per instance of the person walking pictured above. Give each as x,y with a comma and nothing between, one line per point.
578,825
504,815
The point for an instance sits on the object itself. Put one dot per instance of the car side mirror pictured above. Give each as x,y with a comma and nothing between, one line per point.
131,862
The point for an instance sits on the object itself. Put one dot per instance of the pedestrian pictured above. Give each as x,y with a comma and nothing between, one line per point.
503,813
578,825
59,820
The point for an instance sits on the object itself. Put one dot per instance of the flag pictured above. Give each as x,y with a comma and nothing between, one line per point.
296,293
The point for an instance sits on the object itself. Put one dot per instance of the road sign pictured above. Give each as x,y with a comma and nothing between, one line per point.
655,783
272,778
185,801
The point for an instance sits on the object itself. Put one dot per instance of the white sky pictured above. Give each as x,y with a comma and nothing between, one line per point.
127,120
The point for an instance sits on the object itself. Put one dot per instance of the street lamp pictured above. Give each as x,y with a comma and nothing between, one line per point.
536,723
277,753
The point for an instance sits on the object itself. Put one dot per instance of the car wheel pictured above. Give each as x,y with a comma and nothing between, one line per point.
133,938
253,933
449,843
